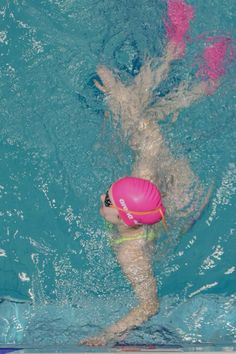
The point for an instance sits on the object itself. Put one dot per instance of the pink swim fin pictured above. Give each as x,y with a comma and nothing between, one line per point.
179,16
213,66
215,59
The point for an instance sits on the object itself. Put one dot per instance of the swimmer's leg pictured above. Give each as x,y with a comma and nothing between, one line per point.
161,73
149,77
178,99
127,103
118,94
119,98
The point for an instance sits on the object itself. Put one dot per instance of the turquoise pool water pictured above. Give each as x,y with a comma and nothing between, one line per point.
59,278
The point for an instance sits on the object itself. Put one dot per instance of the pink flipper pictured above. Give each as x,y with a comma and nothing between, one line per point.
179,16
214,61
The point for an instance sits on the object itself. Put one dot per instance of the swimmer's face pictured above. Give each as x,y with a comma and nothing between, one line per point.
110,214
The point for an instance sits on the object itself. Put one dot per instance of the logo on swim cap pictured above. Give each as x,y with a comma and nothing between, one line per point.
124,207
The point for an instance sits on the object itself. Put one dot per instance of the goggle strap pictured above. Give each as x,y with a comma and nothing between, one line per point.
163,219
145,213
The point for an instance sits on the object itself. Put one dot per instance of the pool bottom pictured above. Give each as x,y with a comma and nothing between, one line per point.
195,324
206,348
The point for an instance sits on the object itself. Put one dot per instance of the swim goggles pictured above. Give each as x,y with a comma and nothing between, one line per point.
108,204
107,200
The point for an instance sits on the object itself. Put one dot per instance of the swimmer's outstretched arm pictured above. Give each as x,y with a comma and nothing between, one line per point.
137,267
180,98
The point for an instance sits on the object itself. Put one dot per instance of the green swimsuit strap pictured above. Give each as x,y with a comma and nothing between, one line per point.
150,236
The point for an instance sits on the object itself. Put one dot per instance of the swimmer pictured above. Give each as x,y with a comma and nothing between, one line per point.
160,187
162,191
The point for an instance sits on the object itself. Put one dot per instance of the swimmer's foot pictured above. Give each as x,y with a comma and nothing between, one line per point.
100,87
109,82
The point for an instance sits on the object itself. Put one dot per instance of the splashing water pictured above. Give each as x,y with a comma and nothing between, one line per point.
179,16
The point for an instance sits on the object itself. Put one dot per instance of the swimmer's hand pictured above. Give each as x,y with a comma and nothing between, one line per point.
102,339
110,335
95,341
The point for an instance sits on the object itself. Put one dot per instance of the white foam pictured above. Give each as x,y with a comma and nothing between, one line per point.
3,37
23,276
230,270
2,253
224,192
211,261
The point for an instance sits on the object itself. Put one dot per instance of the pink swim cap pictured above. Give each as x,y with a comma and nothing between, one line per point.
133,195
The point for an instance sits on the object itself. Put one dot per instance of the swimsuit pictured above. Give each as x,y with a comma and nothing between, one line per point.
148,235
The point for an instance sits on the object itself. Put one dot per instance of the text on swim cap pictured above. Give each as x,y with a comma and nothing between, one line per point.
124,207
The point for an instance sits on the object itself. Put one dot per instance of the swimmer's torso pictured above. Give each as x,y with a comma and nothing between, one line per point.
181,190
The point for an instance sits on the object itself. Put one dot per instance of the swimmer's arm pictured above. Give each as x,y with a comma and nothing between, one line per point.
136,266
189,224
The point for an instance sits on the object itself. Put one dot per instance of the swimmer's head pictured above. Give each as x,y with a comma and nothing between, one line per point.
135,201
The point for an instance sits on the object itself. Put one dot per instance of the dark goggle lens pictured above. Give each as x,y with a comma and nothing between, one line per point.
107,201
